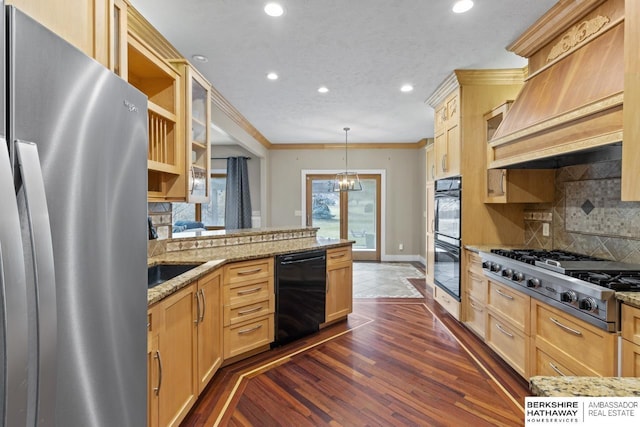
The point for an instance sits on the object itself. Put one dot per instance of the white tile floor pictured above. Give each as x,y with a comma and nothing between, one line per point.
379,280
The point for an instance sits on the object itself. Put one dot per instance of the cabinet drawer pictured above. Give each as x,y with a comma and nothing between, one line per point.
337,255
241,294
548,366
476,315
244,337
507,341
447,301
475,263
238,314
248,270
630,359
477,287
631,323
573,342
510,304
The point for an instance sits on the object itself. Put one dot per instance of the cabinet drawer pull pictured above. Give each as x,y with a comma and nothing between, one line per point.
251,310
250,291
247,272
475,307
501,329
502,294
338,256
246,331
566,328
198,310
555,368
204,305
156,390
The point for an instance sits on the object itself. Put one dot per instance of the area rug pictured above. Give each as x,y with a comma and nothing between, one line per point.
385,280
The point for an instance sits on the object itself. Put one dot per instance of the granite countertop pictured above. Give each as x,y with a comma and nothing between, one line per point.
585,386
631,298
213,258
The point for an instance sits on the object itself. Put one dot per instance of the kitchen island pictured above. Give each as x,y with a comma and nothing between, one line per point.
223,310
213,249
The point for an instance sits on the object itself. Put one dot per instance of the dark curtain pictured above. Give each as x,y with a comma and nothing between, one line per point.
237,200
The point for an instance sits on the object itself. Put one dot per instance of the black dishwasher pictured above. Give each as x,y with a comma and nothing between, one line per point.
300,294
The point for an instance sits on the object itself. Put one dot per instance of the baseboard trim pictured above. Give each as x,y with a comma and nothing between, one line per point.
401,258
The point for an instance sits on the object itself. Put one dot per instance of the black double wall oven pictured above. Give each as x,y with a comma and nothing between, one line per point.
447,235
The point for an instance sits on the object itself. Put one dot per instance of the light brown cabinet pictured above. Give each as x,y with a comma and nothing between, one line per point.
447,137
430,237
630,341
117,37
447,302
249,306
197,118
83,23
184,345
570,345
431,162
474,297
508,325
172,357
339,300
157,79
631,124
209,316
515,185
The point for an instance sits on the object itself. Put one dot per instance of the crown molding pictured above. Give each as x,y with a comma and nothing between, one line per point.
550,25
443,90
137,24
235,115
354,146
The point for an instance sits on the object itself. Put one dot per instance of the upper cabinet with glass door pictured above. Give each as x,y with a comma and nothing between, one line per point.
197,98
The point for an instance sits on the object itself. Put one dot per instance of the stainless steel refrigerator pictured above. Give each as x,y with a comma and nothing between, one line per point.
73,235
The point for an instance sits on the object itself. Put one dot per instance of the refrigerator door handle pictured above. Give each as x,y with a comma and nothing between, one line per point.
13,302
41,247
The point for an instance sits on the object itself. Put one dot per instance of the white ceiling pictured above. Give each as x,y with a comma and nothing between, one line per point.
362,50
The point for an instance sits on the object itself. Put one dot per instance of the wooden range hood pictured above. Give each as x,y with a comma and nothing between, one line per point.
570,109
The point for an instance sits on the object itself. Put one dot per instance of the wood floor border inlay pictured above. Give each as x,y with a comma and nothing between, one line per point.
478,362
287,357
280,361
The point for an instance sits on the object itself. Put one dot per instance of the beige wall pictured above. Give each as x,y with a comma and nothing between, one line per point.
405,183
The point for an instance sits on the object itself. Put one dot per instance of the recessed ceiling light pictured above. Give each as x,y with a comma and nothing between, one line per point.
323,89
272,76
273,9
461,6
406,88
200,58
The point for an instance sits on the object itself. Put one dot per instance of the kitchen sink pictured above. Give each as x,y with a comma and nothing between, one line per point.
160,273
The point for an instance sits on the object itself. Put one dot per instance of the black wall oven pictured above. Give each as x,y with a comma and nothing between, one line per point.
447,235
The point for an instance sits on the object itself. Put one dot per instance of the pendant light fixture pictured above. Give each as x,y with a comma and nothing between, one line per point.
346,181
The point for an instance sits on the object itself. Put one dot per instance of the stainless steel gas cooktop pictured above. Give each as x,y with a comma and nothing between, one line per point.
580,285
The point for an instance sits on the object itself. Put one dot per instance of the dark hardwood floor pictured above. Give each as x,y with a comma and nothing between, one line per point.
394,362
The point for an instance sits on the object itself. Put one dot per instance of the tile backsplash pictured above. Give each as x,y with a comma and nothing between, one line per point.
160,214
587,215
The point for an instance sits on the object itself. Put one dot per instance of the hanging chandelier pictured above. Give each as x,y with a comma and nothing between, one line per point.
346,181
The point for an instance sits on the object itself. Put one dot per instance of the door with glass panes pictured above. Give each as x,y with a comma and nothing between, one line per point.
353,215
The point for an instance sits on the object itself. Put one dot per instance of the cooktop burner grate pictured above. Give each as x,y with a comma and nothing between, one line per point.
530,256
617,281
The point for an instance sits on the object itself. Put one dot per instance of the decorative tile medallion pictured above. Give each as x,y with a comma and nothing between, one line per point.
594,207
